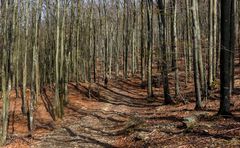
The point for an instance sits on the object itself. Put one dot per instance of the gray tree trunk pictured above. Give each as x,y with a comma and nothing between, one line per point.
196,50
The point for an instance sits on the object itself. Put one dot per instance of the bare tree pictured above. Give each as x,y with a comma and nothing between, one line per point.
167,97
196,53
225,59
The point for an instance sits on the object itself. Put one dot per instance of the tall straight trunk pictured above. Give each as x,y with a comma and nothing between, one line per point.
48,38
126,31
185,57
5,76
57,107
218,43
24,111
189,49
225,57
174,44
215,37
36,54
18,46
149,46
238,26
238,22
90,46
63,83
138,39
110,54
15,37
196,56
66,77
117,39
233,42
5,98
67,58
34,75
94,51
202,66
210,44
106,59
142,41
134,39
33,68
76,52
62,56
167,97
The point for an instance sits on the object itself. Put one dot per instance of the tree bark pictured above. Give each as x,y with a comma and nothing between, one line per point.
149,46
174,44
210,45
142,42
57,105
225,57
167,97
233,42
196,50
4,75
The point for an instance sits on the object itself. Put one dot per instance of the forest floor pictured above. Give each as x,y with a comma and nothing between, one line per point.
119,115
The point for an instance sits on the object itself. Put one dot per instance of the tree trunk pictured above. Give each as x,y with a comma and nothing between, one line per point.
167,97
225,57
196,50
57,105
134,39
142,42
210,45
174,44
149,46
117,39
215,37
126,38
5,76
233,42
189,49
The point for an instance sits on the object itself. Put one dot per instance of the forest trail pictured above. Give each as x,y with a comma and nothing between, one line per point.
103,120
119,115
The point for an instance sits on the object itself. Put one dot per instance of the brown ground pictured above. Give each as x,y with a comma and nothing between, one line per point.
121,116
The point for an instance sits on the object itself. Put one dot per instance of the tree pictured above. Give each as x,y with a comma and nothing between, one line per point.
134,22
210,44
188,29
215,36
174,44
57,105
225,59
149,46
63,76
117,39
196,53
162,33
5,76
126,36
142,53
233,42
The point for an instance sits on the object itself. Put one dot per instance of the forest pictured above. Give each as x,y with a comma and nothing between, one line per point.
119,73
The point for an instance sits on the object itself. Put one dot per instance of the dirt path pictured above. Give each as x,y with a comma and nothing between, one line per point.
99,123
121,116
